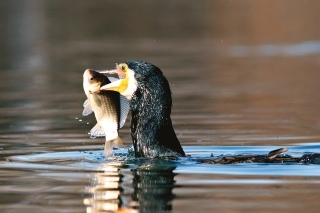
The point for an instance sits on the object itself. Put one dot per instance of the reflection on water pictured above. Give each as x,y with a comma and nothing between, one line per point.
245,80
151,189
105,192
63,181
153,185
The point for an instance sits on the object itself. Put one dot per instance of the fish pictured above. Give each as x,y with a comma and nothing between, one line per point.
109,107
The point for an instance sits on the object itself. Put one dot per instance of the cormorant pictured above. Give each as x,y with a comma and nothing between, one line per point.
150,102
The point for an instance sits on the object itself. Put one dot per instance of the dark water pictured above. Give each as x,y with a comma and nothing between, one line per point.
244,76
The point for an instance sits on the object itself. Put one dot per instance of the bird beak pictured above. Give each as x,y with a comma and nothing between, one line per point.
118,86
117,71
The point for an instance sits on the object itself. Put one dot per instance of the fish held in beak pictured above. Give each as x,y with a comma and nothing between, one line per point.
110,109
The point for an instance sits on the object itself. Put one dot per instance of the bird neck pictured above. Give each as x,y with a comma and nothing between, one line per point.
151,126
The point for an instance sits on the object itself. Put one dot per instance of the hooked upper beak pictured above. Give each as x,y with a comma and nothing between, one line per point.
117,71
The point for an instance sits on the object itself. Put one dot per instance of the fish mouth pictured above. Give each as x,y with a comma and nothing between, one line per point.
89,74
90,81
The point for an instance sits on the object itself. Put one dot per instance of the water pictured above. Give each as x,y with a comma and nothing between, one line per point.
244,77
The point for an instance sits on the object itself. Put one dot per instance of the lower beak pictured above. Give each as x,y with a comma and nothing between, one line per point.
114,86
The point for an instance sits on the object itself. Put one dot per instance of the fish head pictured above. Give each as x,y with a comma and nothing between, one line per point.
92,81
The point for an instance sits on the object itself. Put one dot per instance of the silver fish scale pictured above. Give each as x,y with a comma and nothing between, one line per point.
106,105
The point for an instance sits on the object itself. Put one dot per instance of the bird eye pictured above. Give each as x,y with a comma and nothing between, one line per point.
123,67
91,79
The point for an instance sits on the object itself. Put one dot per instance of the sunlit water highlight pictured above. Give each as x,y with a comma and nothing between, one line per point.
106,183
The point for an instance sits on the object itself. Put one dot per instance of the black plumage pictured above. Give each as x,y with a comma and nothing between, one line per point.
151,127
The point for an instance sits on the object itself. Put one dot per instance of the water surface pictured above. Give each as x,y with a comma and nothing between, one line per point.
244,77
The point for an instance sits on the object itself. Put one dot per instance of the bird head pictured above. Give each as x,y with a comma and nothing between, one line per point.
126,85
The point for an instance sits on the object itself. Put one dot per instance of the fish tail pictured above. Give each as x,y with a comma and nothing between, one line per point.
108,147
118,142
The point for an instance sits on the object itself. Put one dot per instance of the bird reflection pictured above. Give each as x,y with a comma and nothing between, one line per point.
143,187
153,184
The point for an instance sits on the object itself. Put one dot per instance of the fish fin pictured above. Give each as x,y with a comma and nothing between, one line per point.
97,131
124,110
118,142
108,148
276,152
85,103
87,108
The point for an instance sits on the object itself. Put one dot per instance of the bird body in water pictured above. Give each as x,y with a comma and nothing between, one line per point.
150,103
151,127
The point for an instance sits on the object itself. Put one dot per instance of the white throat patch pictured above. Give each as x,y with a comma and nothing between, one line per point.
132,85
